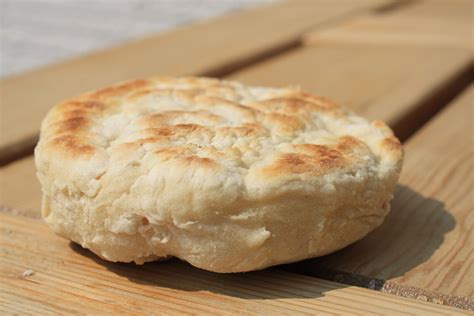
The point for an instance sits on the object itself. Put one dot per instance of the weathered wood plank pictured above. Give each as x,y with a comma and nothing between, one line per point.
427,240
212,47
401,85
431,23
68,279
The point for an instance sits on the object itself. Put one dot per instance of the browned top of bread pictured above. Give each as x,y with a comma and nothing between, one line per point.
275,134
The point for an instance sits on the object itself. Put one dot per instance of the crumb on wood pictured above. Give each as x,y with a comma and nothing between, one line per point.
28,272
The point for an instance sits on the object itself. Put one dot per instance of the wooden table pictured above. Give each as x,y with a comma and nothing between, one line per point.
406,62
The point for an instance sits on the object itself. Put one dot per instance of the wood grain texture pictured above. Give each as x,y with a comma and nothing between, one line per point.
429,23
212,47
400,85
427,241
68,279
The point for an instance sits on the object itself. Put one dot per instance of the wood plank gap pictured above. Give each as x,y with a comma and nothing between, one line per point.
249,61
379,285
390,7
16,151
409,123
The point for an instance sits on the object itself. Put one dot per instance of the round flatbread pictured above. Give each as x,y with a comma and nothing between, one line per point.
225,176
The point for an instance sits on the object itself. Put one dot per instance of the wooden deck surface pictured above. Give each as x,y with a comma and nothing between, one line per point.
406,62
67,279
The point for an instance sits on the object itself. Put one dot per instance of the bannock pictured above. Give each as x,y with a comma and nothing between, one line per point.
225,176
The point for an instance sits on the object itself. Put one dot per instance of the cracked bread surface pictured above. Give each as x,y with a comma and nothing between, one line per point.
225,176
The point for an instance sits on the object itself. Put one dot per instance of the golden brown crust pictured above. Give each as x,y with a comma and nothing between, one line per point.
287,113
71,146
